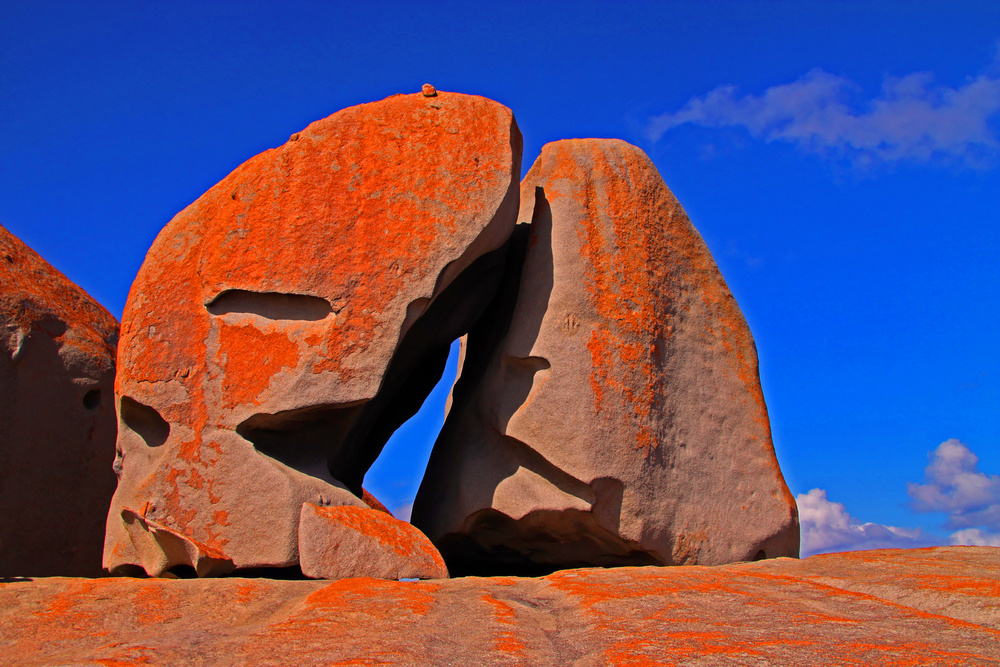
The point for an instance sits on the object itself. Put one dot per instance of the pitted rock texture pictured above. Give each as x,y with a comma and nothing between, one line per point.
341,542
57,418
609,408
288,321
922,607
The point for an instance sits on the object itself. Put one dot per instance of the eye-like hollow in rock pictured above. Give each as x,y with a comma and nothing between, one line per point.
270,305
92,399
145,421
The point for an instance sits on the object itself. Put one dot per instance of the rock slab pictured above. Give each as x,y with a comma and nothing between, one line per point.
936,606
57,418
609,408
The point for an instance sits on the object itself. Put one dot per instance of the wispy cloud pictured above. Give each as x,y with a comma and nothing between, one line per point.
911,119
827,527
953,484
975,537
403,512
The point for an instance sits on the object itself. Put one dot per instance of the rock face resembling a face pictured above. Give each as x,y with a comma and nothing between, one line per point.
57,418
608,409
288,321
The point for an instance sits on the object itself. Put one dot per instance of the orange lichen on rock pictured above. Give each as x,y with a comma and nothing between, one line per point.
507,641
36,295
252,358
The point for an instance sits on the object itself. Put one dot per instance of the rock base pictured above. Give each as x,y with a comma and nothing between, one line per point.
926,606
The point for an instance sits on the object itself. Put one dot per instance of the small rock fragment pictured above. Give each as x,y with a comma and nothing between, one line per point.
428,90
342,542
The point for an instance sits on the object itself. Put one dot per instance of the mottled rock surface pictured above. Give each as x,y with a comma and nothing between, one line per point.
57,418
288,321
339,542
922,607
609,408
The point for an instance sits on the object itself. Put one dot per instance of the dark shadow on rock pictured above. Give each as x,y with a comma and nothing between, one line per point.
539,543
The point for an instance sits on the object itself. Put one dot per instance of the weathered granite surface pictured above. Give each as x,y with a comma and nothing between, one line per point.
936,606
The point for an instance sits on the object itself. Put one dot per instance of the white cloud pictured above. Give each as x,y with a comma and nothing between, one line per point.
827,527
910,119
403,512
954,484
975,537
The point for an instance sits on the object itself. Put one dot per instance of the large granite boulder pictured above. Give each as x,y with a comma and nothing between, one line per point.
288,321
57,418
608,409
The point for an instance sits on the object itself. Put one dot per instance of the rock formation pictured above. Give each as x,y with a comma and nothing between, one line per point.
288,321
57,418
921,607
608,409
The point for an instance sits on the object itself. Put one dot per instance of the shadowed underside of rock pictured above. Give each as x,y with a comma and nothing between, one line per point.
57,418
608,409
923,607
288,321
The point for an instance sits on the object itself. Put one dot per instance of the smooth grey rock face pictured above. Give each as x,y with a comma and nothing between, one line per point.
57,418
608,409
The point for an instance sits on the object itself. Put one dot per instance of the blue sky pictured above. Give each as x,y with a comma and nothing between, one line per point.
841,159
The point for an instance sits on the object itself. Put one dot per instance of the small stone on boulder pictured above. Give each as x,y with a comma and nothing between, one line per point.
341,542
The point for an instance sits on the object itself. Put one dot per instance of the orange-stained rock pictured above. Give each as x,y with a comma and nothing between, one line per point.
608,409
339,542
923,607
285,323
57,418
